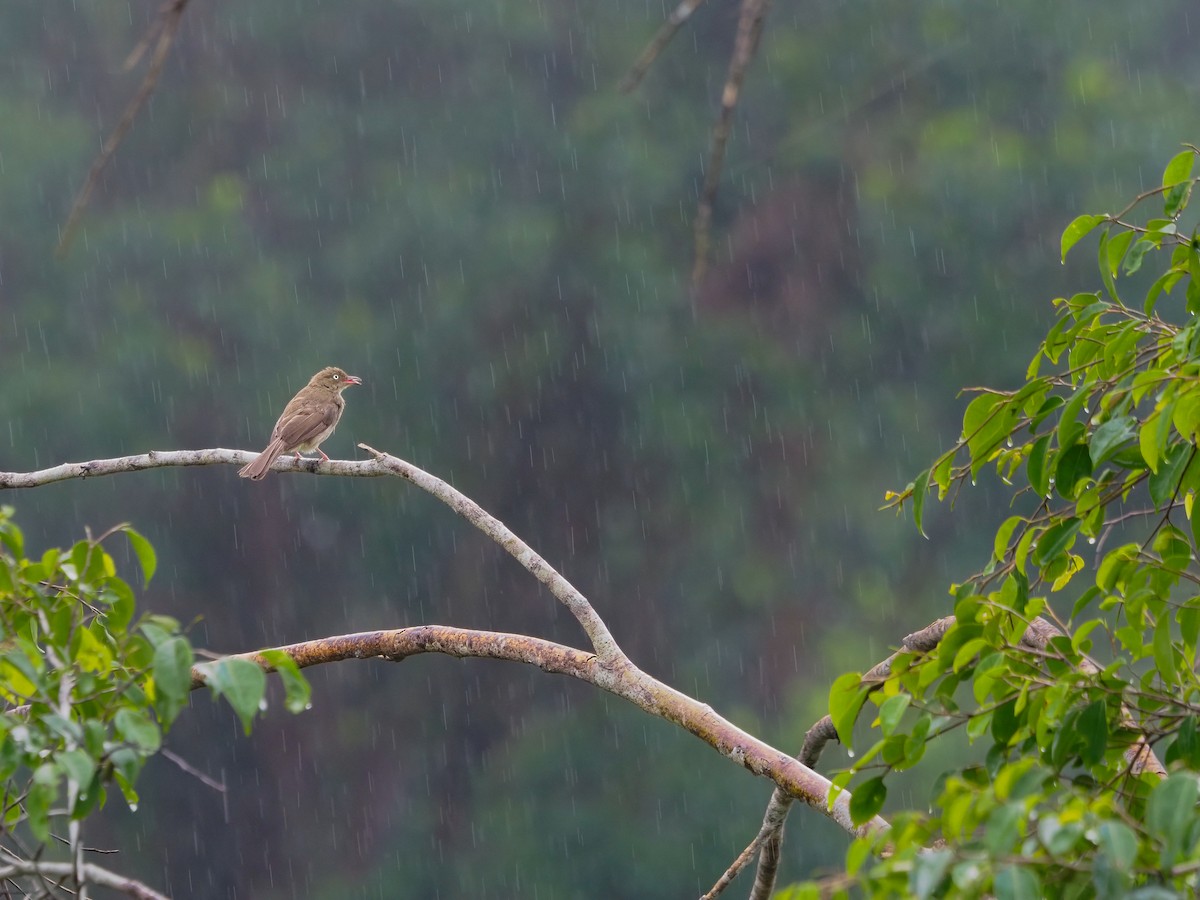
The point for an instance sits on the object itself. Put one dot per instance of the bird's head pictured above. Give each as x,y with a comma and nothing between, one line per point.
334,379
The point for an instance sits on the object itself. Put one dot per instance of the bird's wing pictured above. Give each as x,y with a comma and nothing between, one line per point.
302,425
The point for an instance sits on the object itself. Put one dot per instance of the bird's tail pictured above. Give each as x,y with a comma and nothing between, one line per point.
258,468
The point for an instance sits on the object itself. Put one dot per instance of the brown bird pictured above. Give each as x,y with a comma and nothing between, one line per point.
307,420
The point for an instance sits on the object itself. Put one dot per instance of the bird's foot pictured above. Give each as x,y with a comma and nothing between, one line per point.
324,458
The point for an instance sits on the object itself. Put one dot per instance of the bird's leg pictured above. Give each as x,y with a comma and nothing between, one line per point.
298,457
323,456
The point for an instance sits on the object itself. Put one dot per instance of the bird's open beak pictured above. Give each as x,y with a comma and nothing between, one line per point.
353,379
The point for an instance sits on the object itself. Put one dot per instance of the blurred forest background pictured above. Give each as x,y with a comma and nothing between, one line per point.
452,200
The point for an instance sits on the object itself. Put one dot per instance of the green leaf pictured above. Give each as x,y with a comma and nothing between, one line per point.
941,474
1170,812
127,763
1110,437
1164,653
1133,261
1189,622
1035,466
1003,536
1077,230
1073,465
1179,168
1162,284
1173,548
297,692
846,697
1185,414
1069,426
928,872
1116,250
41,796
144,551
241,682
1117,846
1175,198
867,800
1092,726
138,729
173,661
1186,746
1151,441
1162,483
1106,274
78,766
121,604
1056,540
892,711
920,489
987,421
1004,826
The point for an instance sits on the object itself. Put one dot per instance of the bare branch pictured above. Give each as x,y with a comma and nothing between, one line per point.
750,23
618,676
608,668
165,28
192,770
91,873
158,459
383,464
658,43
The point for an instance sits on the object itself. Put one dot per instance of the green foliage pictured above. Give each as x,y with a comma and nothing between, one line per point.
1071,656
89,687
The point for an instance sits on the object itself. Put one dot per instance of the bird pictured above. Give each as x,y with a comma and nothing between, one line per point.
307,420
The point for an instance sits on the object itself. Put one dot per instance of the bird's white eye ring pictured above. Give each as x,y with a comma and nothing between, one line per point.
336,376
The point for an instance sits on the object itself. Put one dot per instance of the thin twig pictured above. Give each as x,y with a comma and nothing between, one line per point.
166,26
192,770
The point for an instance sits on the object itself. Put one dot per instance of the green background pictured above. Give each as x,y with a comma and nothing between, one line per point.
452,200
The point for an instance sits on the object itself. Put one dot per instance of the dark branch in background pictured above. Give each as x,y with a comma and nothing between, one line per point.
164,28
657,44
750,24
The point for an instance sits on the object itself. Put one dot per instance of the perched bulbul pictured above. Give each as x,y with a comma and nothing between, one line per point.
307,420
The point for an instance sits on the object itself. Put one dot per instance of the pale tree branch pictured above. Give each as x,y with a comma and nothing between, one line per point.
618,676
382,464
130,887
608,668
160,459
